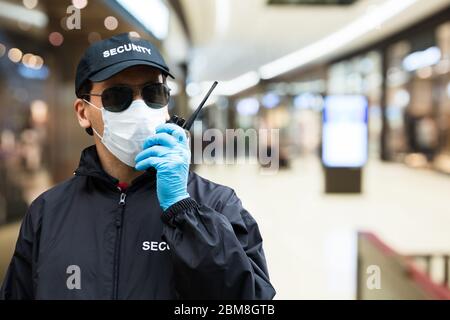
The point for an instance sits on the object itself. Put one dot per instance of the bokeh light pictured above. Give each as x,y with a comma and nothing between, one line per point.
30,4
38,63
39,111
15,55
28,59
94,37
79,4
111,23
56,39
134,34
32,61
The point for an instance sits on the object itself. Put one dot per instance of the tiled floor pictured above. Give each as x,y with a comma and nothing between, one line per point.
310,237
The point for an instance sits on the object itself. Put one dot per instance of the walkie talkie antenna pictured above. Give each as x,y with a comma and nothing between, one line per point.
192,118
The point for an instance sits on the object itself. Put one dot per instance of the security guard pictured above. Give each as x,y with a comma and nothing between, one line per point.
133,222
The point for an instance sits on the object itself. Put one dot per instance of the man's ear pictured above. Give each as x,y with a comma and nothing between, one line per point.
81,111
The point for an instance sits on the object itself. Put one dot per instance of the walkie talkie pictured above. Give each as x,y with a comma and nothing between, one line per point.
186,125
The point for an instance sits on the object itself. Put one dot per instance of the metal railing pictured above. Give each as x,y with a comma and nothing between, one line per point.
430,261
383,273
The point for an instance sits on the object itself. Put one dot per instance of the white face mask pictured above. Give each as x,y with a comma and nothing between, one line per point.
125,132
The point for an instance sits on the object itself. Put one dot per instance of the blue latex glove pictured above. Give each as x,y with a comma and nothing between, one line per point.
168,152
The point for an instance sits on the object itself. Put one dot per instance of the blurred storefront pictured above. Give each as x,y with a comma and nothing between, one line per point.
291,104
304,97
405,79
417,98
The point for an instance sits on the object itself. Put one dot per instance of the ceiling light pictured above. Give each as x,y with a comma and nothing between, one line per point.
336,40
19,14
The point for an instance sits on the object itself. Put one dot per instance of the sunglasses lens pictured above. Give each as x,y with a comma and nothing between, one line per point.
156,95
117,99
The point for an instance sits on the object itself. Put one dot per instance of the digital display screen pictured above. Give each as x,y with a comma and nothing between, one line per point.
344,131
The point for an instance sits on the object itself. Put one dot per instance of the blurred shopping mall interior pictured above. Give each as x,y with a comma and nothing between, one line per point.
359,91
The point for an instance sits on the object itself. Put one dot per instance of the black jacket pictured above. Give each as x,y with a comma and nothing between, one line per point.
121,245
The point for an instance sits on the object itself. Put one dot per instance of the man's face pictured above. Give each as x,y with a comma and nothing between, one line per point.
136,76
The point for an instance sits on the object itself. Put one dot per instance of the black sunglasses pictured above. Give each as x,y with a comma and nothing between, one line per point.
119,98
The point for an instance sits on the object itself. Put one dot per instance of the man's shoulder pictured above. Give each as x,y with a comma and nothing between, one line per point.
56,193
198,181
221,198
47,201
208,192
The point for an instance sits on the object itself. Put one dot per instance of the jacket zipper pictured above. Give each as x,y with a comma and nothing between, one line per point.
118,223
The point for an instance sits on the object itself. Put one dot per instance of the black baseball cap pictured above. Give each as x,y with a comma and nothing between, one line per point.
105,58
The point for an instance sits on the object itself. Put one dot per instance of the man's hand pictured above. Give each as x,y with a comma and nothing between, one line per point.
168,152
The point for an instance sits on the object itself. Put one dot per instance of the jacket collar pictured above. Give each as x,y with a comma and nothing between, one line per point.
90,166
